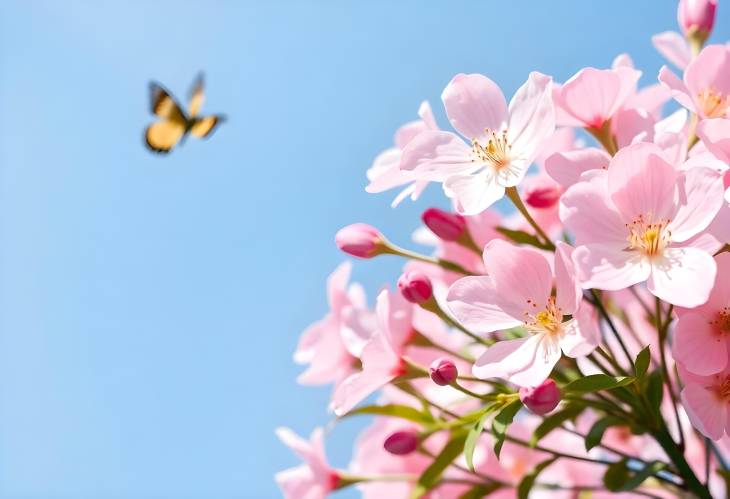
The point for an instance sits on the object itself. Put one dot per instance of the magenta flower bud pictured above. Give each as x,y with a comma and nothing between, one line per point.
541,399
696,16
443,371
543,197
402,442
415,287
360,240
447,226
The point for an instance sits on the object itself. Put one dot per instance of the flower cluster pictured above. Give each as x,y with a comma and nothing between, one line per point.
580,343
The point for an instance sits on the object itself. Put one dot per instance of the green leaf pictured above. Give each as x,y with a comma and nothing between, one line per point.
479,491
553,421
501,423
595,434
619,477
641,364
471,440
431,475
521,237
525,486
597,382
394,410
655,390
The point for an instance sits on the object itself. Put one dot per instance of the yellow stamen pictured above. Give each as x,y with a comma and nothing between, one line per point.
648,238
713,104
495,153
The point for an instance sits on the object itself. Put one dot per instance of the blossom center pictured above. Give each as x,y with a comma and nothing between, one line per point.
495,152
647,237
713,104
723,389
722,320
548,320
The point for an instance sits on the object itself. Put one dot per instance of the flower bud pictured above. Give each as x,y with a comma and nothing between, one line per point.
447,226
402,442
545,196
415,287
360,240
443,371
541,399
696,16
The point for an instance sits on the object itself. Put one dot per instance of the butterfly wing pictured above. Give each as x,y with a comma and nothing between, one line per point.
203,127
197,97
162,136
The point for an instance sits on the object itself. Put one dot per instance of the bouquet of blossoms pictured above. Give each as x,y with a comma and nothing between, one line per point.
577,348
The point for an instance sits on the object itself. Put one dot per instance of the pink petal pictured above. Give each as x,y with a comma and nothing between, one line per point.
642,183
531,116
408,132
567,288
705,410
593,95
715,133
522,361
508,265
473,193
582,335
609,267
435,155
588,212
633,124
677,88
472,300
473,103
700,198
380,366
709,70
682,276
426,114
720,296
720,226
698,346
650,98
566,167
395,320
673,47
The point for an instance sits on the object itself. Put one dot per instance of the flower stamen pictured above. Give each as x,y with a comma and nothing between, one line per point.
648,238
713,104
496,151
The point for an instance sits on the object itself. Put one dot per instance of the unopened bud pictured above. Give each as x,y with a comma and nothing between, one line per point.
415,286
541,399
443,371
360,240
543,197
448,226
402,442
696,16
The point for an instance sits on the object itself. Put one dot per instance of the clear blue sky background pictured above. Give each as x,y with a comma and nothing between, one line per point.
149,306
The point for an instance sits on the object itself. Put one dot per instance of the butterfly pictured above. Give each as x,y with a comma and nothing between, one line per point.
174,125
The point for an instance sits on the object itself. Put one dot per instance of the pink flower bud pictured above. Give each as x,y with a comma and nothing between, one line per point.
443,371
361,240
447,226
696,15
541,399
415,286
545,196
402,442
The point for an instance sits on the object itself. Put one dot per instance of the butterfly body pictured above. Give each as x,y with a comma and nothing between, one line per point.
175,125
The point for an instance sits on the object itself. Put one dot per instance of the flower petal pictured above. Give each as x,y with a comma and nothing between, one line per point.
715,134
436,155
531,116
682,276
700,198
673,47
473,103
609,267
698,346
582,335
568,293
677,88
566,167
473,299
473,193
706,412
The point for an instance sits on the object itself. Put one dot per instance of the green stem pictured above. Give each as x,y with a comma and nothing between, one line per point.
662,329
677,456
445,264
604,136
514,196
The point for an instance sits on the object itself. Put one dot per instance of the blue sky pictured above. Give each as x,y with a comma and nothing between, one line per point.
149,306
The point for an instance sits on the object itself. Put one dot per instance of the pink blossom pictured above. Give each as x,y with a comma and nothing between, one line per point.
592,96
448,226
443,371
541,399
705,89
503,141
360,240
505,298
715,134
332,345
707,400
701,336
567,167
673,47
385,173
632,224
381,356
314,479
